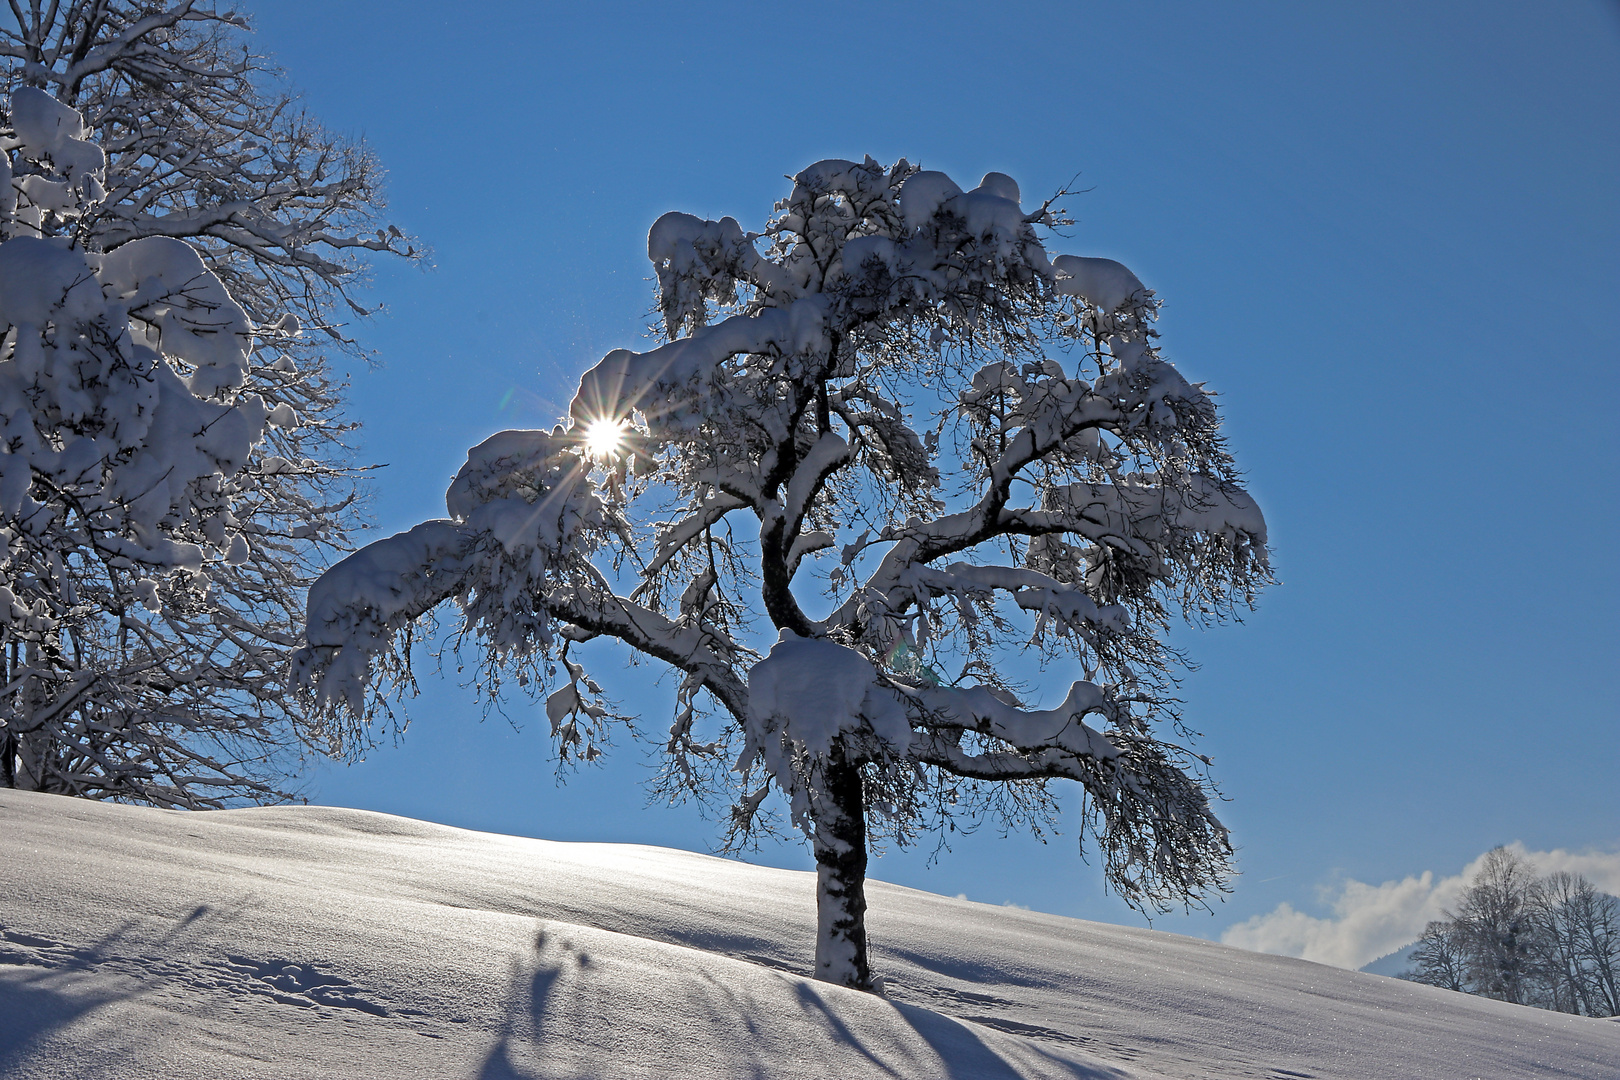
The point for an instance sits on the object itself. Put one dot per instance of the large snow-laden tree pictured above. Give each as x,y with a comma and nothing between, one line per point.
174,694
896,432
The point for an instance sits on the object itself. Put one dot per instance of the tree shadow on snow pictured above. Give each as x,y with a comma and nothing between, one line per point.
44,987
962,1052
964,1055
498,1065
33,1010
810,999
967,1057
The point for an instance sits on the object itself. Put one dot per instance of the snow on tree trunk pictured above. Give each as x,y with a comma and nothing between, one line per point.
896,434
839,843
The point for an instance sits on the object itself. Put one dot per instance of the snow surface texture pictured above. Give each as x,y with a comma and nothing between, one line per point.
317,942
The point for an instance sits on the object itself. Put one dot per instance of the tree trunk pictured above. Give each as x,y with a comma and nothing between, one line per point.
29,774
840,846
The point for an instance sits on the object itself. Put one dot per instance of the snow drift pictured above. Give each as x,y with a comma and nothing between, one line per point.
310,941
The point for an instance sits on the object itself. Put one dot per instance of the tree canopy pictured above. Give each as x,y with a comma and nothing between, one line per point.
1552,942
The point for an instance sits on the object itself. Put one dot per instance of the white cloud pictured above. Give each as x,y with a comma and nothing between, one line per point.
1600,868
1369,921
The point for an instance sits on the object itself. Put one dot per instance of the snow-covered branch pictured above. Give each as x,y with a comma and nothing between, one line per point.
514,556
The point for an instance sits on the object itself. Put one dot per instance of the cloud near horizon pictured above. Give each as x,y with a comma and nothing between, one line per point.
1370,921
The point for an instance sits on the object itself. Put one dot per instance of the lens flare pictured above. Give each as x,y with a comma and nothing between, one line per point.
603,438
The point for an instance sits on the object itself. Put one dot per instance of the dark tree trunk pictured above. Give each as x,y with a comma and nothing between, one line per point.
840,846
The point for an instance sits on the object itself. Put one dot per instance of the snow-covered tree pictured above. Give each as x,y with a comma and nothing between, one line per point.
152,594
890,445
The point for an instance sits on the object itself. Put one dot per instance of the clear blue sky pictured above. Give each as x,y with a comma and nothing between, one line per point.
1388,234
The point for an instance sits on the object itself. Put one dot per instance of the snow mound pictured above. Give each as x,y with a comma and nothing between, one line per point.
310,941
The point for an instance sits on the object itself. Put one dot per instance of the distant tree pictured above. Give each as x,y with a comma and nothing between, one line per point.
894,431
1551,942
1441,957
134,674
1494,917
1577,945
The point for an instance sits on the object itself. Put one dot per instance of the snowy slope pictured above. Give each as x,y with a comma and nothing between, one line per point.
314,942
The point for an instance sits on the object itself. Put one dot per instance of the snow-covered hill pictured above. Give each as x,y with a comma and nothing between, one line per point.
315,942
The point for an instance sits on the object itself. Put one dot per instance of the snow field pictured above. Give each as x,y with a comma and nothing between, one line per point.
311,941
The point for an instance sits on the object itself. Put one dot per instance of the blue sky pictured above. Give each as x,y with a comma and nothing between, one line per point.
1387,234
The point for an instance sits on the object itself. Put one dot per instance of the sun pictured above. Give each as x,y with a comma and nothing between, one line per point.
603,438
